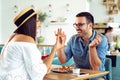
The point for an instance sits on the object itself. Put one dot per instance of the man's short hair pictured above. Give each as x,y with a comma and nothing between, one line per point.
89,16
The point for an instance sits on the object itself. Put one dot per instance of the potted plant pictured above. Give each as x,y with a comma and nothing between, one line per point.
42,17
40,40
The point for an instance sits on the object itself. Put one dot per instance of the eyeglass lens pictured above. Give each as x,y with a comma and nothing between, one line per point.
78,25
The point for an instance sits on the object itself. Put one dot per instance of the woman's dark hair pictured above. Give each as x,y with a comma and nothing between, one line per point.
28,28
110,28
88,16
106,30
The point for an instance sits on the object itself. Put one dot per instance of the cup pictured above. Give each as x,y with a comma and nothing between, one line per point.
76,71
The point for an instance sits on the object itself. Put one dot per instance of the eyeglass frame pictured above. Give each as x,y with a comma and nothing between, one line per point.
78,25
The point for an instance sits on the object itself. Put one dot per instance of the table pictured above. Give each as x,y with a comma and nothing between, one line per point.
69,76
113,56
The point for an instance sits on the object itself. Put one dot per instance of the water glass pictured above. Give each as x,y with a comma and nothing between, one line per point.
76,71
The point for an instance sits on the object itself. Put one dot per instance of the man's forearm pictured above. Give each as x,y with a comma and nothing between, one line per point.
95,62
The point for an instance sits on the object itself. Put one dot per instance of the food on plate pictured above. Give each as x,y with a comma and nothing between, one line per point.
58,35
64,68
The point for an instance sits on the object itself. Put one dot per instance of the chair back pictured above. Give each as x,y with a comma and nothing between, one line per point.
1,49
108,67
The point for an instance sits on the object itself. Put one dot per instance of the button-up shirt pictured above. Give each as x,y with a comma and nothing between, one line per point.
79,51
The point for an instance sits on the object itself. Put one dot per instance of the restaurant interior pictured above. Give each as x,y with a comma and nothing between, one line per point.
61,14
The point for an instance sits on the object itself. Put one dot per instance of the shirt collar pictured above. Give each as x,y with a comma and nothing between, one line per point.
94,33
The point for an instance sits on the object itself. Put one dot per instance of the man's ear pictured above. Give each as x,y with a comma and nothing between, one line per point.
90,25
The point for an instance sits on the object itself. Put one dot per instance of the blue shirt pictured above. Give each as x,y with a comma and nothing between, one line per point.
79,51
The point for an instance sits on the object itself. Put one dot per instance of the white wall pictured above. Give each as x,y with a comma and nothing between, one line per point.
1,19
6,18
100,12
58,11
75,7
7,14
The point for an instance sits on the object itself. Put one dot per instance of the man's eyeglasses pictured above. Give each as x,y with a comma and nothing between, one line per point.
78,25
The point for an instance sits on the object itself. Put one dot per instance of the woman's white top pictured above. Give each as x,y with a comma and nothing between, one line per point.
22,61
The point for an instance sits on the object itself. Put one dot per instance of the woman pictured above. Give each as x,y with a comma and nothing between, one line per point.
21,59
110,37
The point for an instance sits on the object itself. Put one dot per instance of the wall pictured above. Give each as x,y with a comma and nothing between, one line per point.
100,12
1,19
67,26
59,10
96,8
6,19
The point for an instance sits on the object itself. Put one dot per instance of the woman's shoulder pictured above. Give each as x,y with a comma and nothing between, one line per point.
21,44
22,38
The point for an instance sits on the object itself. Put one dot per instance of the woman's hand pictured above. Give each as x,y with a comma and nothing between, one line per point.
60,39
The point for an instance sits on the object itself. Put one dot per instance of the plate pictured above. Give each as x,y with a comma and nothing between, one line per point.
60,71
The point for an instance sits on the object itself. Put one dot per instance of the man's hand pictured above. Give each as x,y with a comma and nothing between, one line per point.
95,42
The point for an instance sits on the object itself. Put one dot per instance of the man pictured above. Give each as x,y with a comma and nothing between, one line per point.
87,47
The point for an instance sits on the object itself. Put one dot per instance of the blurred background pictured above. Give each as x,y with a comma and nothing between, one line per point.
60,14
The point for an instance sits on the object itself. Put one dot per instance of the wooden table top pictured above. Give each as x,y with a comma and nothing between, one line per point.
69,76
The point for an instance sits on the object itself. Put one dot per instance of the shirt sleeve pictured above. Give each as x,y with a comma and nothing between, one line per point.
34,65
102,47
102,51
68,50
